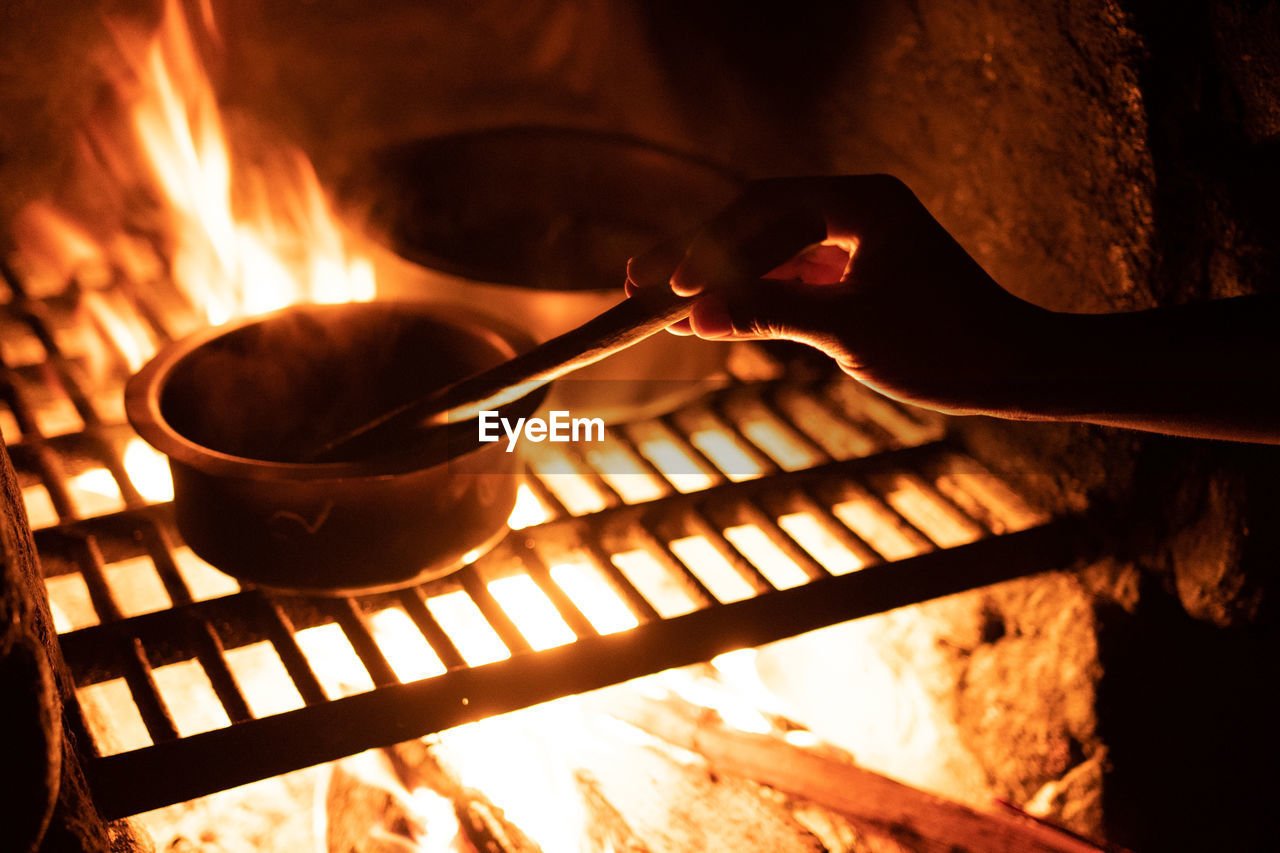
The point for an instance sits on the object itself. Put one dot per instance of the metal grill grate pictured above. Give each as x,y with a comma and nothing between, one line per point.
768,508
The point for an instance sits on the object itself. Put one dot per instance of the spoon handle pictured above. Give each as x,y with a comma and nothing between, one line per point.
618,328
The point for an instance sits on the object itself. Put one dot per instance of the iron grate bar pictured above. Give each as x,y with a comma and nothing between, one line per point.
53,478
441,644
36,316
493,613
146,695
349,618
545,496
176,768
660,549
111,459
717,476
752,514
88,556
973,525
638,604
564,605
281,633
73,719
730,425
145,309
646,466
699,525
212,657
842,534
144,779
768,401
160,550
856,490
588,472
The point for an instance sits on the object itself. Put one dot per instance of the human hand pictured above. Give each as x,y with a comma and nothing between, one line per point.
857,267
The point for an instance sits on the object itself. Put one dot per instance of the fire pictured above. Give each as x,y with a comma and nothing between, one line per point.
241,218
149,471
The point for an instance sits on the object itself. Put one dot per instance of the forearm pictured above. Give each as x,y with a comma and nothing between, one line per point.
1208,370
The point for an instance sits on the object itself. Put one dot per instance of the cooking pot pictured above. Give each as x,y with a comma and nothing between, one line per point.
535,225
232,406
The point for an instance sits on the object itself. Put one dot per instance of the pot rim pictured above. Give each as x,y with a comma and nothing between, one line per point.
595,140
144,389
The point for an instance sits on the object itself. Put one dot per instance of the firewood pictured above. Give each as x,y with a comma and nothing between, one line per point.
44,801
920,820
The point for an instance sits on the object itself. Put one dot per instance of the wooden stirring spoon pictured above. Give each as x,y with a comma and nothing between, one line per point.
618,328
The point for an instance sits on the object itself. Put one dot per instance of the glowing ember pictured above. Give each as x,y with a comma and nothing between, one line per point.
148,470
775,565
820,543
112,717
532,612
664,590
467,628
404,647
595,598
715,572
437,813
136,587
335,662
735,710
40,509
783,445
528,510
943,524
262,679
657,444
727,453
94,492
70,603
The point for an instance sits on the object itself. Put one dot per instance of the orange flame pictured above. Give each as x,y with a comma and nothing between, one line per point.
262,242
247,227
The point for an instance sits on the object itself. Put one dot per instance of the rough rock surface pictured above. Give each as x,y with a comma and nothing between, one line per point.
1094,156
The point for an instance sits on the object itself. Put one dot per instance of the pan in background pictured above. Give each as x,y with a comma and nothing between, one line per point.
535,225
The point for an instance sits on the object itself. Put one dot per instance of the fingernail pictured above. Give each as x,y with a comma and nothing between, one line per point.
710,318
680,285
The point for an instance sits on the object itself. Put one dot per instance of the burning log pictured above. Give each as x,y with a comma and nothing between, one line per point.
651,765
916,819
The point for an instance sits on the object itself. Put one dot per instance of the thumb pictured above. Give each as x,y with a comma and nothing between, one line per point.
766,309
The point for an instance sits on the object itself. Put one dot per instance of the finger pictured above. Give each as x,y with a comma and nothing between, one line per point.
769,309
766,226
654,267
776,219
822,264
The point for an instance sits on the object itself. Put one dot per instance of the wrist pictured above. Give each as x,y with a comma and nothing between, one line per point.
1047,366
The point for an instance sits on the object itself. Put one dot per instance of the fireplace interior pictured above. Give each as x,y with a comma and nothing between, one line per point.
785,614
